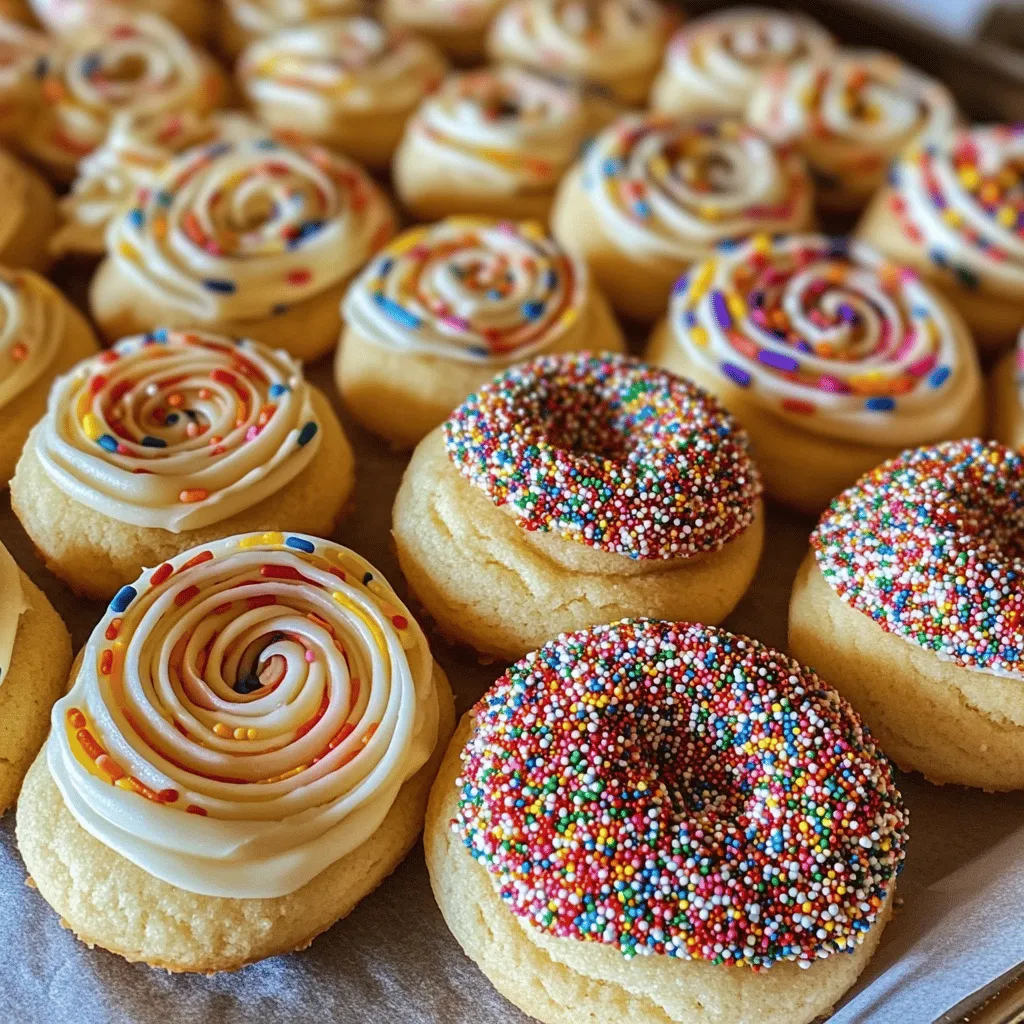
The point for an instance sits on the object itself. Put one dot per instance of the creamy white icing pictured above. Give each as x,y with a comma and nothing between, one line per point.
32,322
248,720
246,229
264,17
64,16
670,189
178,431
470,289
719,60
509,129
829,336
13,604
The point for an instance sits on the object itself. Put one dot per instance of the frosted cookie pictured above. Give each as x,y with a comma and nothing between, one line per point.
244,21
638,820
831,357
41,336
28,216
245,753
653,195
66,17
910,603
443,308
954,209
459,28
117,63
348,83
169,440
573,490
252,238
1007,398
714,64
22,53
18,11
489,141
131,158
35,656
611,47
850,114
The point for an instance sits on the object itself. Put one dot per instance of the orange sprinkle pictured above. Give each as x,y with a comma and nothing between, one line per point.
190,495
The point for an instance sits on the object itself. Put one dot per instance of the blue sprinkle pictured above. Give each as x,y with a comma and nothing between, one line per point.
163,198
721,310
736,374
218,149
787,364
279,308
880,404
265,144
136,218
276,390
938,376
532,310
122,599
153,442
397,312
479,351
305,231
219,285
91,63
300,544
172,419
611,167
307,433
107,443
681,285
385,266
42,67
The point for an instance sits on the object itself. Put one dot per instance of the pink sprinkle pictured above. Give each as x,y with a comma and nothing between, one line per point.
833,384
310,656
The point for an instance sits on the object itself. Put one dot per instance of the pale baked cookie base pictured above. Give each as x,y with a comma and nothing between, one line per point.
800,469
564,981
35,679
464,44
1007,415
404,395
27,408
110,902
949,723
29,247
670,96
97,555
506,591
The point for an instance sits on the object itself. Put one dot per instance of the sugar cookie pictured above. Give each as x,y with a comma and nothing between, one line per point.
171,440
460,29
244,21
66,17
1007,398
21,52
621,824
28,216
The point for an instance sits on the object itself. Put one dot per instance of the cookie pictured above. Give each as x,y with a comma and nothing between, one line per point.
242,22
1007,400
29,217
459,29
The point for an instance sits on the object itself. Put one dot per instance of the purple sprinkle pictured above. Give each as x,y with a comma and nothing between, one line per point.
736,374
721,310
787,364
848,313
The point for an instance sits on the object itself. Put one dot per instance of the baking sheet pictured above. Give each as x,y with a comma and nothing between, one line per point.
393,958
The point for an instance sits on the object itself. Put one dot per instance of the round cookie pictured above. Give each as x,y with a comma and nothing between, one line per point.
1007,398
653,195
28,216
954,210
492,141
909,602
251,238
850,114
714,64
459,29
21,51
442,308
311,719
41,336
66,17
573,490
18,11
168,441
833,359
35,656
244,21
620,825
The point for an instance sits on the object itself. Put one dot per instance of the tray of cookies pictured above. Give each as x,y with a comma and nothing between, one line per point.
513,513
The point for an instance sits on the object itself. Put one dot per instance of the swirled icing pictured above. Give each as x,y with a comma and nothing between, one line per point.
245,715
851,114
601,41
722,58
515,130
469,289
178,431
246,229
136,149
64,16
342,65
13,605
962,198
829,336
264,17
671,189
32,321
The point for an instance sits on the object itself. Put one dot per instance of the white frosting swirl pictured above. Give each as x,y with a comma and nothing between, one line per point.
66,16
264,17
469,289
512,129
13,604
830,337
245,715
719,60
178,431
243,230
671,189
32,322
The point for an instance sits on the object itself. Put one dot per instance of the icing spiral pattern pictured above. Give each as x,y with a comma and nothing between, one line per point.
343,65
514,130
12,606
669,189
32,321
65,16
962,198
719,60
470,289
118,62
829,336
265,17
247,229
608,452
245,715
178,431
851,115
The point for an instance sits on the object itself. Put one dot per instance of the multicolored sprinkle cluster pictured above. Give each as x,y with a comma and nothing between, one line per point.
928,545
608,452
674,789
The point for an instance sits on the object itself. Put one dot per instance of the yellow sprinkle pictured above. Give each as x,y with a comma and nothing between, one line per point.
129,252
569,317
1007,216
124,783
970,177
221,729
240,733
737,307
91,425
951,217
251,734
699,336
259,539
533,230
